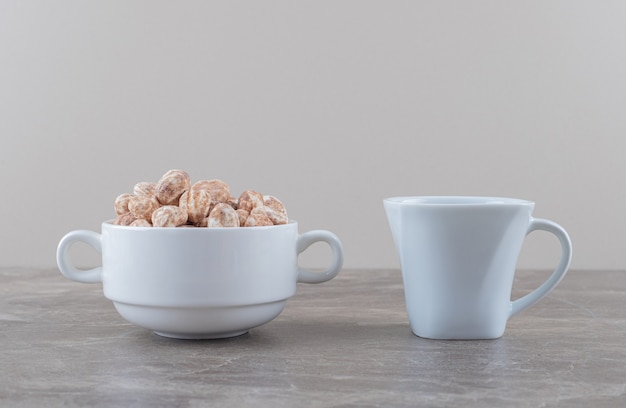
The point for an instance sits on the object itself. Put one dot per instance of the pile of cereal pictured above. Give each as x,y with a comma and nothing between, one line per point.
174,202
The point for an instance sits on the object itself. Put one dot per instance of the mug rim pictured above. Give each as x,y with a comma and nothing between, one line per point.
457,201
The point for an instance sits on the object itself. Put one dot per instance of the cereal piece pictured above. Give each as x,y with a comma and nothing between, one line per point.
198,204
249,200
169,216
243,216
223,215
125,219
275,210
220,192
202,184
171,186
142,207
140,223
144,188
258,218
121,203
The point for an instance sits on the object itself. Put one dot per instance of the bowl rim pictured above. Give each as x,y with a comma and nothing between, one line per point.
109,224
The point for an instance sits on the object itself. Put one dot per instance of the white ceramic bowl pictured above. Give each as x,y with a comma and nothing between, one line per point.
199,283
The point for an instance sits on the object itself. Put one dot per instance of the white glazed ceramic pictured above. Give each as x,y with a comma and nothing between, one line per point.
458,257
199,283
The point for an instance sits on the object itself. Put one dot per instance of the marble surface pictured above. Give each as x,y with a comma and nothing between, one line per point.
343,343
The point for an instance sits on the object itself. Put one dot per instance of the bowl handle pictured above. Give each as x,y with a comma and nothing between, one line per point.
306,240
66,267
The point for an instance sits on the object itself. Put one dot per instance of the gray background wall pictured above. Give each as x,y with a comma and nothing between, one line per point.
329,105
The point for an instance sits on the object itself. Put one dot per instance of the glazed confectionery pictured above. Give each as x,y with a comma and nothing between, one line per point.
174,202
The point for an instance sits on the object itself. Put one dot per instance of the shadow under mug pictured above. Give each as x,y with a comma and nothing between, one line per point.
199,283
458,257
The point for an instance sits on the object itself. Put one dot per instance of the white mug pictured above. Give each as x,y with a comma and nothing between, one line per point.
199,283
458,257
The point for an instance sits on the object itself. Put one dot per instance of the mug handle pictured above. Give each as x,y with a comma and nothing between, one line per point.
306,240
66,267
566,257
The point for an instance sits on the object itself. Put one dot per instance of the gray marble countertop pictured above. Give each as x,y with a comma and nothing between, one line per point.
339,344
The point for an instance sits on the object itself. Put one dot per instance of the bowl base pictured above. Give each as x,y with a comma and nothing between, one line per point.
201,336
202,322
